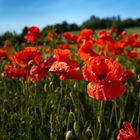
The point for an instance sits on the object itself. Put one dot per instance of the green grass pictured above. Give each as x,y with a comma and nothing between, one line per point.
135,30
49,110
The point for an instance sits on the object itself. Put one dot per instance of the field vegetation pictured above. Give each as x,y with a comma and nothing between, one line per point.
70,86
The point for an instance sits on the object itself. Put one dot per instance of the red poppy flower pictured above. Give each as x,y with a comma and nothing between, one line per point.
85,34
70,37
67,35
37,72
117,48
101,42
23,57
132,41
33,33
85,51
103,74
61,55
132,54
113,30
122,35
127,133
67,69
104,38
10,71
3,54
104,34
64,46
64,67
30,38
74,38
47,64
34,30
127,74
133,38
136,45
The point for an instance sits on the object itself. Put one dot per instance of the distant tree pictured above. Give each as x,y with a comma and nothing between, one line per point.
24,31
118,18
20,37
12,37
128,23
137,22
65,26
74,27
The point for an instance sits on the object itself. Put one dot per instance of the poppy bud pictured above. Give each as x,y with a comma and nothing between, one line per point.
68,135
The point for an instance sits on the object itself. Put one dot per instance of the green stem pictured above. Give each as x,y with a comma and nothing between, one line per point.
115,109
59,104
100,119
133,116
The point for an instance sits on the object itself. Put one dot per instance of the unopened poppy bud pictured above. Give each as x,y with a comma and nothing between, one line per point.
68,135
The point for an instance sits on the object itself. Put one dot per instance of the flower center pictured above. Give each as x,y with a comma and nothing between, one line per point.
101,76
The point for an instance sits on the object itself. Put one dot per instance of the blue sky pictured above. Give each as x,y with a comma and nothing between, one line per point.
16,14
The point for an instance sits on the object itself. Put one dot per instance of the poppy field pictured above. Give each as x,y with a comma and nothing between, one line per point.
83,86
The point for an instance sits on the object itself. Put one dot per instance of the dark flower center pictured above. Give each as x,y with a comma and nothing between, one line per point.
101,76
87,51
119,49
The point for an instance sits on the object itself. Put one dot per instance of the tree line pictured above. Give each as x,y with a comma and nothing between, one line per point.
96,23
92,23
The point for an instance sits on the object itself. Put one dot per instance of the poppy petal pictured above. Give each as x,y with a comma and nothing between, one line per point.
105,91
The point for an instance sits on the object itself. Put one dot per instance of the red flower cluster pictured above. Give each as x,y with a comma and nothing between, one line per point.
29,65
103,73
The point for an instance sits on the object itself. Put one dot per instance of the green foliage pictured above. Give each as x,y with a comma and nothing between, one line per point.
50,109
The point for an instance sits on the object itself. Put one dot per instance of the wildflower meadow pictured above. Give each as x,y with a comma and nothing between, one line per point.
71,86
